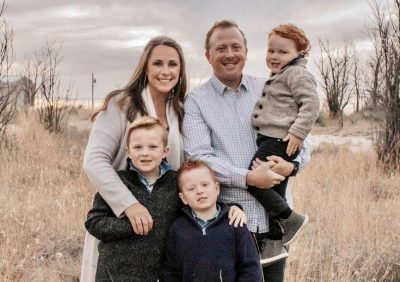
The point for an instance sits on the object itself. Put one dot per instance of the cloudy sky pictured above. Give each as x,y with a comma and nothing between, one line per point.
107,36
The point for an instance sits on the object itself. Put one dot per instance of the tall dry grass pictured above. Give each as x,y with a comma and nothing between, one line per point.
355,229
44,197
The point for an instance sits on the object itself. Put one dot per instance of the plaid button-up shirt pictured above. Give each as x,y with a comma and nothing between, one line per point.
217,130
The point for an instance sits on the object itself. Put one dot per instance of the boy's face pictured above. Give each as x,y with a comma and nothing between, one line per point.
146,150
199,190
280,52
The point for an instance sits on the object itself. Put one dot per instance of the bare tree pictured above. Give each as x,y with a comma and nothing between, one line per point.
387,26
33,68
54,92
47,86
336,67
374,82
358,78
7,105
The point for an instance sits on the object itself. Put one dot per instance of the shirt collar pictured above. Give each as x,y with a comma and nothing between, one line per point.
164,167
204,223
221,88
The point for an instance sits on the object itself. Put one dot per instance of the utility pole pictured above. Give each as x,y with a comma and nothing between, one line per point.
93,82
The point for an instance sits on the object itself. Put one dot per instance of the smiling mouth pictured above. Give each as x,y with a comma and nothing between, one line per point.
201,199
165,80
229,64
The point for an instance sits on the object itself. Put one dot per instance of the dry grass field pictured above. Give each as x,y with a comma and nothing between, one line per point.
354,232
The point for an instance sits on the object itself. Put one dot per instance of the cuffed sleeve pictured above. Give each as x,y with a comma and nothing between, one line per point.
104,225
105,140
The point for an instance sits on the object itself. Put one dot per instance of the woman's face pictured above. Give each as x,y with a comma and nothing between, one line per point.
163,69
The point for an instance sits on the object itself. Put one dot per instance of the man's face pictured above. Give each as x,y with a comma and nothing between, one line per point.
227,55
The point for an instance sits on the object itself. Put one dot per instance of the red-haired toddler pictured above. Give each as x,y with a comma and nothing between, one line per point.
282,118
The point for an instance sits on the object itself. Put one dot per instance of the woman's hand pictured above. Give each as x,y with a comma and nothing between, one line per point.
295,143
237,216
140,218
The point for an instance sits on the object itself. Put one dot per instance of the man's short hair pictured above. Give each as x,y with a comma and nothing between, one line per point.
222,24
147,122
191,165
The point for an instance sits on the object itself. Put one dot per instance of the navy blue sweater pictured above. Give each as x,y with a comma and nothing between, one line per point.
219,252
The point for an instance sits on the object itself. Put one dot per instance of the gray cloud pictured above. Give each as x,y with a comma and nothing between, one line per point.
106,37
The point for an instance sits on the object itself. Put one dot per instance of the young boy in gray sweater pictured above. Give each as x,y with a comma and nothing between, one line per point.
283,117
124,255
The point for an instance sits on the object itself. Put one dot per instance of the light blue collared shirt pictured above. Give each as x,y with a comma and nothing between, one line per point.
204,223
164,167
217,130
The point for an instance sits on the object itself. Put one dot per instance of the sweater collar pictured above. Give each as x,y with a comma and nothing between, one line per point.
299,60
223,209
164,167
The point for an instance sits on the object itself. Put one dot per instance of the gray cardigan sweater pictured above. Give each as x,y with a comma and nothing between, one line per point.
288,103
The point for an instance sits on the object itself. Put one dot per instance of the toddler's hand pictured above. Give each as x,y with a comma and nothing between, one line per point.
262,176
236,216
281,166
295,143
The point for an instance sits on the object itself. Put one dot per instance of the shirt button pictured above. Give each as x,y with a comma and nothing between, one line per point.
260,107
255,115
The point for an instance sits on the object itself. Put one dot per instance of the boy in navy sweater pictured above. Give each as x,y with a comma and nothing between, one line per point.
201,245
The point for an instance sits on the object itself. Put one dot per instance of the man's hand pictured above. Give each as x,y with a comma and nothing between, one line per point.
262,176
295,143
236,216
281,166
140,218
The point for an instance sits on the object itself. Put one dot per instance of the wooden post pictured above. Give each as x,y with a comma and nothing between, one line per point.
93,82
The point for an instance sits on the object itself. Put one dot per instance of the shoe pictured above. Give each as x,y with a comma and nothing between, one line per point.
272,251
292,226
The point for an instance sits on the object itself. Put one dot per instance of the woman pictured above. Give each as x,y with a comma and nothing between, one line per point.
157,88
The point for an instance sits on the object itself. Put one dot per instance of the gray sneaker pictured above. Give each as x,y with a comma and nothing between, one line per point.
292,226
272,251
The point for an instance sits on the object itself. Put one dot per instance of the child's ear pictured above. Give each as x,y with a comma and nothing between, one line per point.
218,187
166,151
182,198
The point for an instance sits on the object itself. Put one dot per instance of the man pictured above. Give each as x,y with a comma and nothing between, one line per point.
217,131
